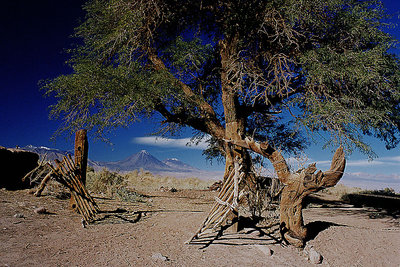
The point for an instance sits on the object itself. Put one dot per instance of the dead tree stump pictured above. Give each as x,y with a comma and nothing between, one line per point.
81,156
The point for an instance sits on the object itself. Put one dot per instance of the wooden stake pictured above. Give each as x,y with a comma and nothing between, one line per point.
43,184
81,154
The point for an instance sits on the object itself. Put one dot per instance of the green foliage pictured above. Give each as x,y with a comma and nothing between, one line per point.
292,67
188,56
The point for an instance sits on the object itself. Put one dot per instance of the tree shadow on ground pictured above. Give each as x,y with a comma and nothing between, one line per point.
384,205
249,233
314,228
117,216
121,215
366,205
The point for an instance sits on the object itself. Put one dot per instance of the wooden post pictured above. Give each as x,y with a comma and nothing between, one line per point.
81,154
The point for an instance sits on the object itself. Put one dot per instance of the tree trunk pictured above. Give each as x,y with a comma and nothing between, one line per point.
291,215
235,122
297,187
81,154
81,157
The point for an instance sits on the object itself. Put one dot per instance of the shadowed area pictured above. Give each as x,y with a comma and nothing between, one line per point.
15,164
314,228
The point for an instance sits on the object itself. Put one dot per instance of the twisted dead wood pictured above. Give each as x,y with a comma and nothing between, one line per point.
296,186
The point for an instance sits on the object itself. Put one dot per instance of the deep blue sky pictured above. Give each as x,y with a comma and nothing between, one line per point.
34,35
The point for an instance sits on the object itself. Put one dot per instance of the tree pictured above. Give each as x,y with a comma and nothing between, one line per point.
251,76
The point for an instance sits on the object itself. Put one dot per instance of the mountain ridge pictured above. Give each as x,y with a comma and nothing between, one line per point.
141,160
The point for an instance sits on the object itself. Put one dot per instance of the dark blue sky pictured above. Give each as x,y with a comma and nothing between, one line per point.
34,35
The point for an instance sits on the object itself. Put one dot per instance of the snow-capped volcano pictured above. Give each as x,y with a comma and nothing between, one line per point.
142,160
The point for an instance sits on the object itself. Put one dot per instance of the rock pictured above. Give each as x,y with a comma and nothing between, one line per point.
19,215
15,164
40,210
298,243
264,249
314,256
159,256
173,190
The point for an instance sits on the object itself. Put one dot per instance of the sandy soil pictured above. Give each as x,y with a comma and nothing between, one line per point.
345,236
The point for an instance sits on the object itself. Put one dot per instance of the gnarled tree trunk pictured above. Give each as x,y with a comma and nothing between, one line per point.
296,186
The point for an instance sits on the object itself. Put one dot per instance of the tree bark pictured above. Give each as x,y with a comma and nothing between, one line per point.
80,157
235,122
297,187
81,154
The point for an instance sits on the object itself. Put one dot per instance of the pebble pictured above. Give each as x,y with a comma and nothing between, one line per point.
19,215
264,249
159,256
314,256
40,210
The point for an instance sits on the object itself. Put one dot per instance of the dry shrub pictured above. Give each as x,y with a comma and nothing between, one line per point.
124,194
57,190
263,201
114,184
105,182
341,190
382,192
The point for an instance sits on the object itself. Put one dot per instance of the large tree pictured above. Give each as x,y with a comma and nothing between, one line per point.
249,75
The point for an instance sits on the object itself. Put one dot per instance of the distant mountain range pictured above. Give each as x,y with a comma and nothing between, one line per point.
51,154
141,160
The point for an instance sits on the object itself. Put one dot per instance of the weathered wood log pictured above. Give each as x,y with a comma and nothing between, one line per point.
65,173
42,185
81,154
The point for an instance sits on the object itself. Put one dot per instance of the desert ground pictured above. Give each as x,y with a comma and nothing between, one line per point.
153,232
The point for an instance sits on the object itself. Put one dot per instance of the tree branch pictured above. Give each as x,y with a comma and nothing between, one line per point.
182,118
209,117
266,150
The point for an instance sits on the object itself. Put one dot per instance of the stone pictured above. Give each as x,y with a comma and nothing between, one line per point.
159,256
40,210
19,215
314,256
15,164
264,249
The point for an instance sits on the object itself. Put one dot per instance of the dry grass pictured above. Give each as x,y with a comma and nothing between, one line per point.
146,181
341,190
122,186
105,182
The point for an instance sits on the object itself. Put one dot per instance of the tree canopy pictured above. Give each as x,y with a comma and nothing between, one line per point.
231,69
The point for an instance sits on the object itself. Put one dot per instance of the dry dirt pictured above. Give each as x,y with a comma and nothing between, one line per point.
345,236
